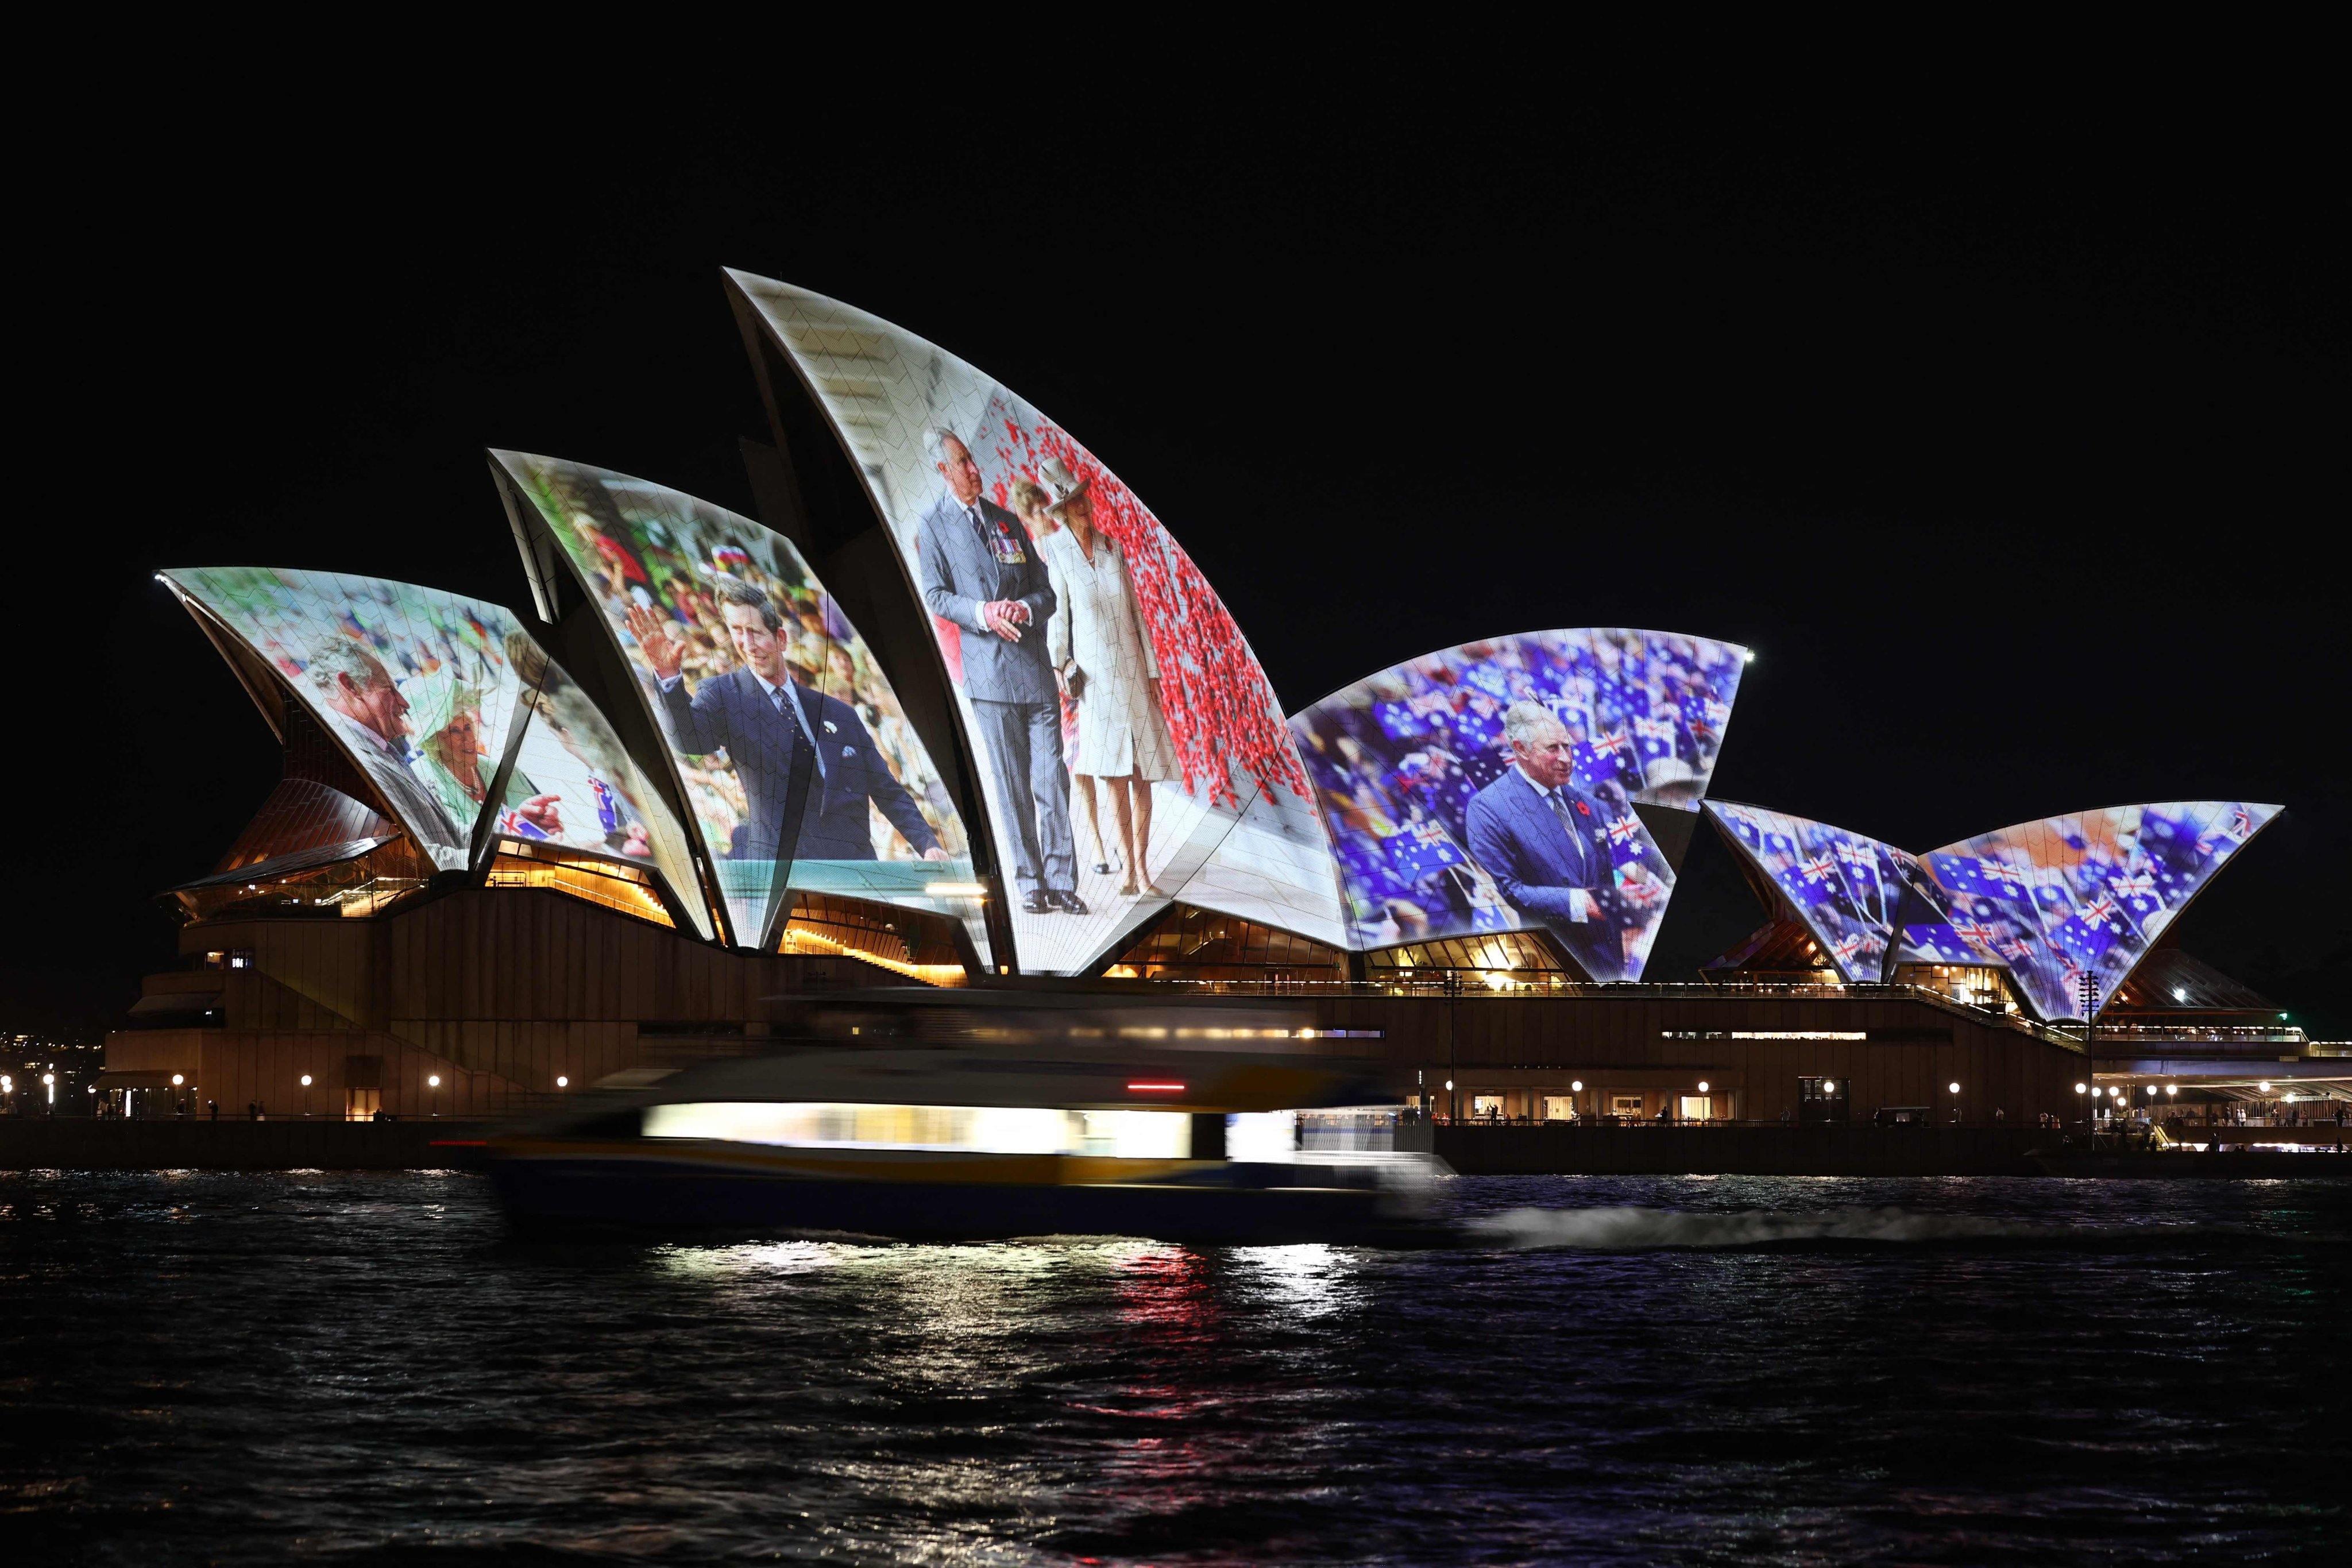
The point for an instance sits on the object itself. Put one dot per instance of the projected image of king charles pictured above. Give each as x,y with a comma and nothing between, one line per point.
1573,861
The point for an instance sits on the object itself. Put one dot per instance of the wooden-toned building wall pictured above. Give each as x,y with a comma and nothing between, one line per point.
512,988
235,1068
1531,1041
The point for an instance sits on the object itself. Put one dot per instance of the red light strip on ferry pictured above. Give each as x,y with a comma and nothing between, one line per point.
1135,1088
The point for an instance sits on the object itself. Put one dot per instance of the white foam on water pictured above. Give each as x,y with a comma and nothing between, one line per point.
1629,1229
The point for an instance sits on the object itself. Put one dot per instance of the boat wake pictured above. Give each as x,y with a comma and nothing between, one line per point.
1633,1229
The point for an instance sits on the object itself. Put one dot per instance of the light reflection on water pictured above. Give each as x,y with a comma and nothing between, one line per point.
210,1367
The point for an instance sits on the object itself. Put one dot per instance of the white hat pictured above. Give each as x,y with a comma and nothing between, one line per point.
1060,484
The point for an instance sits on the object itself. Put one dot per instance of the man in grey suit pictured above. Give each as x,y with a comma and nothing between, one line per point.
367,711
981,571
1549,845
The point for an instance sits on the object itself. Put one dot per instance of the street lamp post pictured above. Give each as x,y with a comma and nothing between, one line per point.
2090,991
306,1097
1453,990
433,1082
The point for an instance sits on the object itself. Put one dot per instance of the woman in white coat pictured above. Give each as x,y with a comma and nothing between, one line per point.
1102,654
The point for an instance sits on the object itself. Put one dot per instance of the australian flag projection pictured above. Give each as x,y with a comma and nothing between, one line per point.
1400,761
2050,901
2088,893
1846,890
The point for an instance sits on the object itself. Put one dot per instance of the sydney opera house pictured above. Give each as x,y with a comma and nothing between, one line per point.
957,717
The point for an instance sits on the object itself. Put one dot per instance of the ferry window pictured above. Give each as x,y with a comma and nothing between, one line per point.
1487,1107
1560,1107
1625,1105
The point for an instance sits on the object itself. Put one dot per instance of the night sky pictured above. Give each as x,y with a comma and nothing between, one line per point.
2005,443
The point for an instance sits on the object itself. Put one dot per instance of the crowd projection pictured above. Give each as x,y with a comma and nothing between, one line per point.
2076,896
573,784
2054,902
1492,786
1849,891
790,748
424,690
1122,724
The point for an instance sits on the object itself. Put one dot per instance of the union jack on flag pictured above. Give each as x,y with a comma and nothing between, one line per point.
1977,934
1608,745
1858,855
2006,876
2241,828
1429,835
2016,949
1643,893
2102,910
1847,947
1624,830
521,827
2139,887
1818,869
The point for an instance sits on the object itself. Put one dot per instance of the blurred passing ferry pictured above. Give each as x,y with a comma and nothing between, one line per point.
982,1141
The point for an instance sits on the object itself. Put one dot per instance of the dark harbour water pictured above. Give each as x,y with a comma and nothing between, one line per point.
362,1369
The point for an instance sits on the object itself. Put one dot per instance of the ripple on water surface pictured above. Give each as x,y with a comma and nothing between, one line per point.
246,1368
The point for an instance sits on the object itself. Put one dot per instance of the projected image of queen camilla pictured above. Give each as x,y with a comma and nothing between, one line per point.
1102,655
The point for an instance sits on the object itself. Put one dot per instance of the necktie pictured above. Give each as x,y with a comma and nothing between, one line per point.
800,731
1567,815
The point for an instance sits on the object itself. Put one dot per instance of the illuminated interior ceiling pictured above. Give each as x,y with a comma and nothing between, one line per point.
1437,835
2055,901
1234,826
359,877
1192,944
656,566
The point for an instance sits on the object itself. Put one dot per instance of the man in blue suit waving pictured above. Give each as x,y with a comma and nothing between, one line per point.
773,728
1546,844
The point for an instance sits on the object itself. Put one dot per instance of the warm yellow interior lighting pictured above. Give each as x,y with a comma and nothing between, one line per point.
798,939
622,887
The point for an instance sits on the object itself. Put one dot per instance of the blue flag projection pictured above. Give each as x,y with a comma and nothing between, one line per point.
2051,901
2084,894
1846,890
1492,786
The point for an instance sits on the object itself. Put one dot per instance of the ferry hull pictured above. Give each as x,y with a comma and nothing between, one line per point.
646,1195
